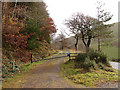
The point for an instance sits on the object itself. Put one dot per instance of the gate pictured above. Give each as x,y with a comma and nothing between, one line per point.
59,55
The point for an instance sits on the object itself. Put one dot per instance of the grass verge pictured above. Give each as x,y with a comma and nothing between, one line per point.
89,79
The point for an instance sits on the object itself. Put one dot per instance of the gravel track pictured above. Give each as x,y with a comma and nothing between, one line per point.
46,75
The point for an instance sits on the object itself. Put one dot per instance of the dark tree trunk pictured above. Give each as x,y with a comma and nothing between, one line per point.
83,38
84,41
62,45
76,43
88,43
98,44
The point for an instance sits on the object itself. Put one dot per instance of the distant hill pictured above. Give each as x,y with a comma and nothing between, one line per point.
115,29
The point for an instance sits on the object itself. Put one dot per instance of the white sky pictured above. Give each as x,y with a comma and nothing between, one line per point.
60,10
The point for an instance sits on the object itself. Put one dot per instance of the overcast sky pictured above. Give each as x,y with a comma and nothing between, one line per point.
60,10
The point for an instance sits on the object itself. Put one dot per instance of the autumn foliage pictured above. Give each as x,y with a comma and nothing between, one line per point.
22,32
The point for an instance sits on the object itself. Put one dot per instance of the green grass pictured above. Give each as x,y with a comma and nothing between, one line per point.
89,79
110,51
30,66
92,78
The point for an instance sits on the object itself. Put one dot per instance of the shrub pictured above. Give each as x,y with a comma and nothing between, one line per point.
101,66
87,63
7,67
93,54
94,65
98,57
103,58
92,59
81,57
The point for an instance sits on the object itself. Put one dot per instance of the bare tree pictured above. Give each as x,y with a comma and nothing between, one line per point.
60,41
83,27
71,24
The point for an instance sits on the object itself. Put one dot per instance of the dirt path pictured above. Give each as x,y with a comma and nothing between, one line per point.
46,75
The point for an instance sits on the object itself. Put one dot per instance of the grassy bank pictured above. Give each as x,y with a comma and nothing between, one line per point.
88,78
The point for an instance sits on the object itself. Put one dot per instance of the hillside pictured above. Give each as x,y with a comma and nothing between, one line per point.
115,30
25,32
115,34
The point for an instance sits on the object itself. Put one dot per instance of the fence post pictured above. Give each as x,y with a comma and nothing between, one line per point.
31,58
69,56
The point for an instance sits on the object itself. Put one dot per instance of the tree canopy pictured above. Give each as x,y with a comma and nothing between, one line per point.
25,26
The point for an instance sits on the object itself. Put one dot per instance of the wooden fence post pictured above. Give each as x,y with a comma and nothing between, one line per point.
31,58
69,56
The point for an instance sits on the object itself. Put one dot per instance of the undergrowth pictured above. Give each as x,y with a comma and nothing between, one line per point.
89,69
89,78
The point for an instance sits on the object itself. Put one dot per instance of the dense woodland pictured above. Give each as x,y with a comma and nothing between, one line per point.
26,28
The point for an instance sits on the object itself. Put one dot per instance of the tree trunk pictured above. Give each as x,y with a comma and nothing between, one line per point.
88,44
98,32
98,44
62,46
76,43
89,41
84,42
87,49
